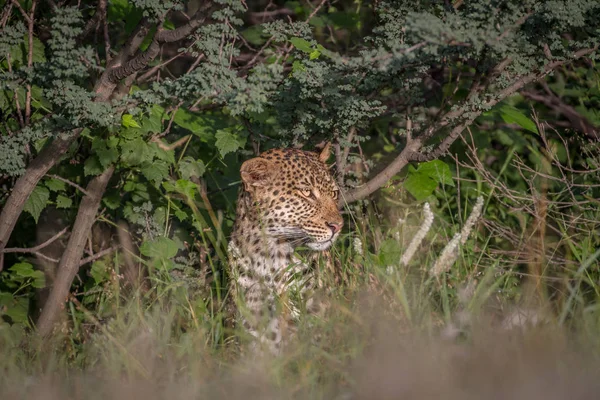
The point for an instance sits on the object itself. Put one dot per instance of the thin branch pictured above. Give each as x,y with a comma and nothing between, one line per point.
411,151
39,246
68,182
23,13
98,255
578,121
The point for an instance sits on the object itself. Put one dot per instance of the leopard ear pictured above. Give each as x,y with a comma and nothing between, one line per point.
258,172
324,155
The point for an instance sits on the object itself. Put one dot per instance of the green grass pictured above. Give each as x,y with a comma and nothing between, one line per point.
391,332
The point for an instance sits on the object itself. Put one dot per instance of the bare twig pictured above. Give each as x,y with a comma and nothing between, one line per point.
38,247
68,182
98,255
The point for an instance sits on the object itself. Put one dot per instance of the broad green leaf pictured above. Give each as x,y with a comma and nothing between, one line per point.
227,142
188,168
135,152
202,125
301,44
18,311
128,122
92,166
107,156
37,202
161,247
155,171
55,185
512,115
23,269
420,186
63,201
254,35
112,199
437,170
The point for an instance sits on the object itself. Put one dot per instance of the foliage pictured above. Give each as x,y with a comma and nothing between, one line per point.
175,95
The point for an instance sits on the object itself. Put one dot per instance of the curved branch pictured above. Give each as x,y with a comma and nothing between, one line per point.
411,151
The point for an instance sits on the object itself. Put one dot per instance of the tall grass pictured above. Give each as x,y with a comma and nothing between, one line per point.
393,329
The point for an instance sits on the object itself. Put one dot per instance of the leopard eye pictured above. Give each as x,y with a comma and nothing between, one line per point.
306,192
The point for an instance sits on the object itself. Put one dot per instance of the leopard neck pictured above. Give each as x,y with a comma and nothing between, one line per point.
251,241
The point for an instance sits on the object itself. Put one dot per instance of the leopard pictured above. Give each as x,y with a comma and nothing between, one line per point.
288,200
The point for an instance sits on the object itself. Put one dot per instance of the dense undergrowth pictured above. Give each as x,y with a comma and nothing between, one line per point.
123,127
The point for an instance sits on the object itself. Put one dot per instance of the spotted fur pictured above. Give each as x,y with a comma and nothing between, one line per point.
288,199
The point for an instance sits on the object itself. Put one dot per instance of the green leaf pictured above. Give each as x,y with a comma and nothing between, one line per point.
26,270
128,122
155,171
161,247
437,170
390,252
107,157
63,201
92,166
202,125
55,185
23,269
99,272
18,311
314,54
420,186
188,168
135,152
227,142
297,66
37,202
301,44
512,115
254,35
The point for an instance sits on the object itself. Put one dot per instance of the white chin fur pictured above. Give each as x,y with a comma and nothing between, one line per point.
319,245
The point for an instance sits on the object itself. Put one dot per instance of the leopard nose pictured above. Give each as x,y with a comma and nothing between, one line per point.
335,226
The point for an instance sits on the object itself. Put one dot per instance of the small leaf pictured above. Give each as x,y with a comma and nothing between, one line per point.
55,185
512,115
301,44
92,166
188,168
227,142
37,202
128,122
314,54
63,201
99,271
161,247
420,186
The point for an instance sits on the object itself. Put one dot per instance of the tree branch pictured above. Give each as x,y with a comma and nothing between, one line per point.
27,182
578,121
410,152
71,258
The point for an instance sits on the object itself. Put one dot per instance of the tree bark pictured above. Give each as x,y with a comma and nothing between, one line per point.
26,183
70,260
